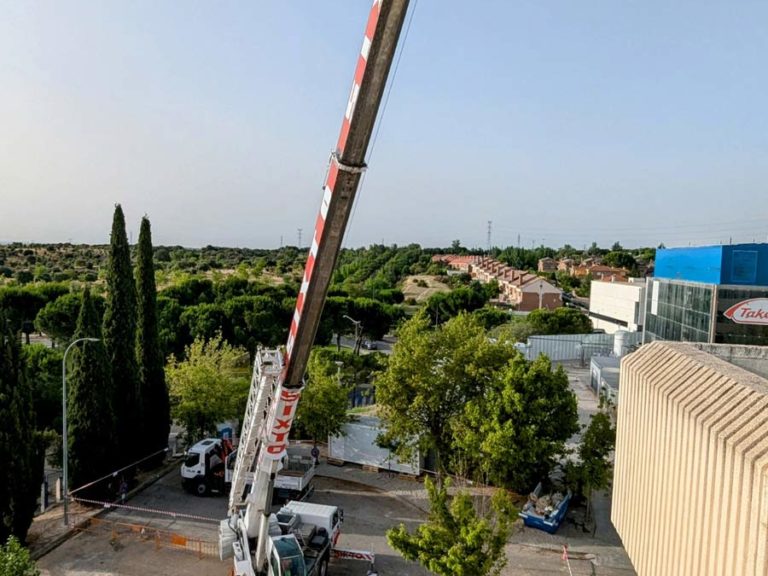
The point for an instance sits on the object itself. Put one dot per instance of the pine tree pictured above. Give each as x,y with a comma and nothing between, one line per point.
120,341
89,404
153,389
19,474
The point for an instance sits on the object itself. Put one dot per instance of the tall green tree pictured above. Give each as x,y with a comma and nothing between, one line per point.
513,433
208,387
43,371
430,375
323,408
456,540
120,341
58,318
594,469
20,474
153,390
90,412
445,305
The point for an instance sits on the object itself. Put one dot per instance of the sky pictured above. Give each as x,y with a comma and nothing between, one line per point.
640,121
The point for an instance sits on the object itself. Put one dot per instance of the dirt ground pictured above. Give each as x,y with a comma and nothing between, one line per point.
411,289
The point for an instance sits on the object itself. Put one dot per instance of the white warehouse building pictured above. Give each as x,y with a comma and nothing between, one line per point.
617,305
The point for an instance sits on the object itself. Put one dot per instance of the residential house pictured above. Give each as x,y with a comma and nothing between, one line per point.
518,288
600,272
565,265
547,265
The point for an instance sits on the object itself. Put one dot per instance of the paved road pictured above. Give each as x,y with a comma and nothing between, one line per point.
368,513
384,346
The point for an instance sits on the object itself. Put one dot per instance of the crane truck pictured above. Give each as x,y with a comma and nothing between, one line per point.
208,466
300,539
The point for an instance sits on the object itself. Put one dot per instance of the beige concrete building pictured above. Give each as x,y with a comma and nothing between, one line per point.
690,494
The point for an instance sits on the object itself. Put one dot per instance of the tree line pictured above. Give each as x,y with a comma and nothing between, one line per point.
117,399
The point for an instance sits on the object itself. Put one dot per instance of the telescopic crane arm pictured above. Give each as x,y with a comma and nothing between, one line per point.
346,167
278,380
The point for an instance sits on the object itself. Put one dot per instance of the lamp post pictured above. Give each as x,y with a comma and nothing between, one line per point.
358,328
65,444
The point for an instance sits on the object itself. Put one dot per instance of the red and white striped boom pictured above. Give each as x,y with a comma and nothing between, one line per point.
346,167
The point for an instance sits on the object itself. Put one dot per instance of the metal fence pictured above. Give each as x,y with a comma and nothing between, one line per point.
576,347
160,538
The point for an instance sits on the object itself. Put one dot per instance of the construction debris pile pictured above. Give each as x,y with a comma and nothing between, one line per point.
546,504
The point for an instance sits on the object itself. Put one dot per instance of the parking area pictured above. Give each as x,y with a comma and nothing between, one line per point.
368,513
124,541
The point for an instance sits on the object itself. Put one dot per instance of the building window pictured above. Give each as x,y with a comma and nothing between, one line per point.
682,311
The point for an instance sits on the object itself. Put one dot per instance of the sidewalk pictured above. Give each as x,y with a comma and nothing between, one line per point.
49,531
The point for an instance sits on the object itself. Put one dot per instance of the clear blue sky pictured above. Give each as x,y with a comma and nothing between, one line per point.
562,121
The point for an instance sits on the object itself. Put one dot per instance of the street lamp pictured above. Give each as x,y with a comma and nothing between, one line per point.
64,422
358,329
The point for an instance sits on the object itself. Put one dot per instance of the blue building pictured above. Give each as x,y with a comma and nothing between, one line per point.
740,264
716,294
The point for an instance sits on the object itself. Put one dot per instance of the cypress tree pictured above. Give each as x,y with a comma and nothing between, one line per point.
153,389
119,330
19,475
89,404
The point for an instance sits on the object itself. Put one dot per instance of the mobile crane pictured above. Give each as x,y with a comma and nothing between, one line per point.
300,539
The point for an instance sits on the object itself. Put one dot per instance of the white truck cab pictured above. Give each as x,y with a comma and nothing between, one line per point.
301,539
208,466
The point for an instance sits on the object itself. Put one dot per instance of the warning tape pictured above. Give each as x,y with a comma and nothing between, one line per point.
105,504
116,472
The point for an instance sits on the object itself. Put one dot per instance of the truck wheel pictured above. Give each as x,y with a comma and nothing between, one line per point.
323,566
201,488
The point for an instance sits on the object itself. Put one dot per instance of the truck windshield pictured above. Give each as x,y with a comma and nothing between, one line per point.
192,459
291,559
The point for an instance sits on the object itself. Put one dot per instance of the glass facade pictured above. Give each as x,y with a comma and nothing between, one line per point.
678,311
682,311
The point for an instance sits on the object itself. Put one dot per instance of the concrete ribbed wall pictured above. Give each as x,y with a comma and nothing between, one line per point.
690,492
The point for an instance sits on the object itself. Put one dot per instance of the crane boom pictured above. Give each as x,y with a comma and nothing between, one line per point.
346,167
279,377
